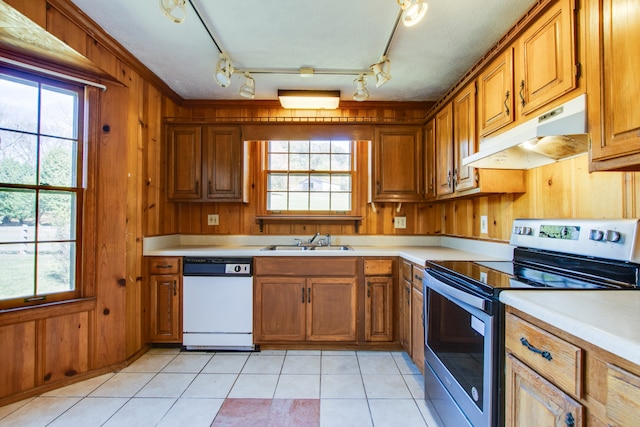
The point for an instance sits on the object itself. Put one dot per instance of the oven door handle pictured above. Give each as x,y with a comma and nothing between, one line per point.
454,293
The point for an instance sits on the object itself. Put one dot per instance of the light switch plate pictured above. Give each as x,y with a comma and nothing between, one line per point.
484,224
213,219
400,222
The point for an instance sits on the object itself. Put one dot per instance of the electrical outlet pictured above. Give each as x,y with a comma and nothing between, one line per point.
484,224
400,222
213,219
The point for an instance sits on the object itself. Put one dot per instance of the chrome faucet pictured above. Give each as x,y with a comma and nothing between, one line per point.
314,238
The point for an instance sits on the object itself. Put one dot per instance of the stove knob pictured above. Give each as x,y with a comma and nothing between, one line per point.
526,231
517,230
612,236
596,235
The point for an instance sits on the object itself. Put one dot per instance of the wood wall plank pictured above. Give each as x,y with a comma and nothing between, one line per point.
18,367
66,348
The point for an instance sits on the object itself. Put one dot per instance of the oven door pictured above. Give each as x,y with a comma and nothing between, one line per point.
461,352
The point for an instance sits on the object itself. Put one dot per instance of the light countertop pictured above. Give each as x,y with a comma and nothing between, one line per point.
608,319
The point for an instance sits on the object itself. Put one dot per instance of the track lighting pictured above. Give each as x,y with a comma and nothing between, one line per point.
248,89
224,70
382,71
174,10
414,11
361,93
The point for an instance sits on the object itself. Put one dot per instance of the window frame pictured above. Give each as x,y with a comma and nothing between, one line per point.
264,152
41,299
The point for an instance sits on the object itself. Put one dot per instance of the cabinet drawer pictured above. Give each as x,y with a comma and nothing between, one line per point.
623,396
378,267
164,265
406,271
563,362
417,278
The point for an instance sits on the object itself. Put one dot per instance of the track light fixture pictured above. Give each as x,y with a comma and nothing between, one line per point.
382,71
174,10
361,93
224,70
414,11
248,89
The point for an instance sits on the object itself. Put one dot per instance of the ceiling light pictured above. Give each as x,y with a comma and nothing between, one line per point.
224,70
309,99
361,93
382,71
414,11
174,10
248,89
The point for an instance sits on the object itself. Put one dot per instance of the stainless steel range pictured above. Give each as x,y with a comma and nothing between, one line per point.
464,321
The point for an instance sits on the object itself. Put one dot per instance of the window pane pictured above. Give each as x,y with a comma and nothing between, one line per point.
18,156
341,162
279,146
18,271
55,212
320,182
56,267
299,182
18,104
17,207
341,146
320,162
277,182
299,162
319,201
320,146
299,146
298,201
58,162
59,111
278,162
341,182
341,201
277,201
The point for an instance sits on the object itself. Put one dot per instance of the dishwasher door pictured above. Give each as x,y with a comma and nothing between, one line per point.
217,313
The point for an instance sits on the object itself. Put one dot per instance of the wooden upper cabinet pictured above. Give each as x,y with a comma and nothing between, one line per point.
495,94
205,163
613,61
223,165
464,137
184,162
430,161
444,150
546,64
397,149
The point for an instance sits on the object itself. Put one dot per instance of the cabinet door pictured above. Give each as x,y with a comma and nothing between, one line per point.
405,316
223,163
495,94
279,310
331,309
614,61
397,149
444,150
464,137
165,308
417,329
623,396
531,400
547,57
184,162
430,161
378,308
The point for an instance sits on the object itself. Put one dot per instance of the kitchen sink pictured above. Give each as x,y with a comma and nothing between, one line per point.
307,248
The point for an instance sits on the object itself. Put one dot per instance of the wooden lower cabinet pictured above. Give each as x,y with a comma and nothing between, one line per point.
404,304
305,309
378,305
165,296
417,328
579,384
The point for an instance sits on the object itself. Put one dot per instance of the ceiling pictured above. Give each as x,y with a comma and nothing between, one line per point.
426,59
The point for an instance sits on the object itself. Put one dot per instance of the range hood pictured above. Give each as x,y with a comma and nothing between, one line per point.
558,134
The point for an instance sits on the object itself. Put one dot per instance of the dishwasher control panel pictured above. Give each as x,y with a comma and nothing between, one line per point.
210,266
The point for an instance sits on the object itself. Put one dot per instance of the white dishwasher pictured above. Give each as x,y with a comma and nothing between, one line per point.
217,303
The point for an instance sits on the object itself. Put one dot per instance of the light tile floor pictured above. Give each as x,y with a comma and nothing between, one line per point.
168,387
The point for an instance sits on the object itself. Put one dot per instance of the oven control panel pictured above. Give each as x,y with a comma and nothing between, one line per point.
612,239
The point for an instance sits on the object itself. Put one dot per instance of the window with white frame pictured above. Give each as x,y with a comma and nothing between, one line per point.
40,188
309,175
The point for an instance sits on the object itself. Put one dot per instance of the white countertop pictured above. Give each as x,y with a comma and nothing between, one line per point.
608,319
416,249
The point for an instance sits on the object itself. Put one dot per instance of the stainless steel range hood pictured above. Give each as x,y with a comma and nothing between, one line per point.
558,134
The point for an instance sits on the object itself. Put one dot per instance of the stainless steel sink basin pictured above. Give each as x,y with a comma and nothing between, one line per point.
307,248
